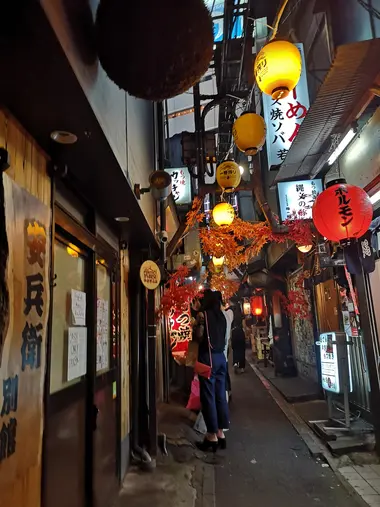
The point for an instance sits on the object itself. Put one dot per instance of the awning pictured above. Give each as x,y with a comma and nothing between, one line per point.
342,97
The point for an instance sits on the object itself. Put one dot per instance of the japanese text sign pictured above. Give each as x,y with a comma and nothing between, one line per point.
284,117
298,197
22,359
180,331
181,185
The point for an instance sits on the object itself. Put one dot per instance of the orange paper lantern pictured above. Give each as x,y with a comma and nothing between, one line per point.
257,306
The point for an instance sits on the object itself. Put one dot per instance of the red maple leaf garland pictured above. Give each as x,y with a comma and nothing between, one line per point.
177,293
296,303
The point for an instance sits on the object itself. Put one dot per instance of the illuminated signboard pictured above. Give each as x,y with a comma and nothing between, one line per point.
216,7
284,118
298,197
330,363
181,185
180,332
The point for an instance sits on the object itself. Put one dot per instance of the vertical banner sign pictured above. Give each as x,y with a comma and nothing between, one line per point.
180,333
284,118
22,364
181,185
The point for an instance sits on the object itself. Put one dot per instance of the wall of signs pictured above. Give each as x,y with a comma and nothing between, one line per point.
22,359
284,118
298,197
181,185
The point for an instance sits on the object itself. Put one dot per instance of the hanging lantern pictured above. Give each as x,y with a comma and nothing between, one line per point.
249,133
304,248
257,306
228,175
223,214
342,212
218,263
246,307
72,250
278,69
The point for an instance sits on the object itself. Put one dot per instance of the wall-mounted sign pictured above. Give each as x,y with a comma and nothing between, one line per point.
181,185
298,197
150,275
284,118
180,332
335,362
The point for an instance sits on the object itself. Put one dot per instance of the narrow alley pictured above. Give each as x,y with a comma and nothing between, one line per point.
267,463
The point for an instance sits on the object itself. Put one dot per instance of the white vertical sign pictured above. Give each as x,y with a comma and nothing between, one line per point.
77,353
284,117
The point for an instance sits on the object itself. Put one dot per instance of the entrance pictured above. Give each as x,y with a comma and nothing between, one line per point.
81,445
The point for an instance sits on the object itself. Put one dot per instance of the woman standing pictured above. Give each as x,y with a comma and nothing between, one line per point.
238,341
211,334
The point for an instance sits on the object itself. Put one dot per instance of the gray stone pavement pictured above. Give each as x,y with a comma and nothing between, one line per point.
267,463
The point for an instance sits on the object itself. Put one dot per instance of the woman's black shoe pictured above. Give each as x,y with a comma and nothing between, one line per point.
222,443
207,445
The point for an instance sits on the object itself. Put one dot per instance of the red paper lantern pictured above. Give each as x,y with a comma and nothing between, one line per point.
257,306
342,212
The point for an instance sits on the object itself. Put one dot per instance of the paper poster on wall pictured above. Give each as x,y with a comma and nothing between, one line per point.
78,307
77,352
102,335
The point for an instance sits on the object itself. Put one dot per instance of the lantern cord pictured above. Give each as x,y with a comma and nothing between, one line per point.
278,19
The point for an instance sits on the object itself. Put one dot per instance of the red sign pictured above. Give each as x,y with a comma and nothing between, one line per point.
181,331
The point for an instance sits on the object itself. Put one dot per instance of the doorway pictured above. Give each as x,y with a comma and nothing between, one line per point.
81,445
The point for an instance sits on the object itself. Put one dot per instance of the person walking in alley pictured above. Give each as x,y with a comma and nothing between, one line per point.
238,341
211,334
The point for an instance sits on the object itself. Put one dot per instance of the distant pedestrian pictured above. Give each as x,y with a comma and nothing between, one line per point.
238,341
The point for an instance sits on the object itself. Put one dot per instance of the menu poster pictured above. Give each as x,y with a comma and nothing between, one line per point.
77,353
78,307
102,335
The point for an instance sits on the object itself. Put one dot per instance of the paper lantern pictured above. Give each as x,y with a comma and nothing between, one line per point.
257,306
278,68
342,212
249,133
228,175
223,214
246,307
218,263
304,248
180,55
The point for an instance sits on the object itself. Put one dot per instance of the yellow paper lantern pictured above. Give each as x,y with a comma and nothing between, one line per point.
218,263
228,175
249,133
223,214
278,68
304,248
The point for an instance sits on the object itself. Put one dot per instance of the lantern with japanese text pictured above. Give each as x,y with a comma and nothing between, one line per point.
246,307
278,68
257,306
342,212
228,175
223,214
249,133
180,332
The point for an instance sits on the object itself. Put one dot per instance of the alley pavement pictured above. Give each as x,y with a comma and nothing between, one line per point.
266,462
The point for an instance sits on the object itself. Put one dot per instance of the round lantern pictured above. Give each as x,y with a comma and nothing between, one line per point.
249,133
342,212
228,175
246,307
180,55
278,68
257,306
304,248
223,214
218,263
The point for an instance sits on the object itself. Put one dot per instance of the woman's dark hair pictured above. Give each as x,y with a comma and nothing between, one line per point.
212,300
238,316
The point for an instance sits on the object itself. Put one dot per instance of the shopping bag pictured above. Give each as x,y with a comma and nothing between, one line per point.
192,354
194,402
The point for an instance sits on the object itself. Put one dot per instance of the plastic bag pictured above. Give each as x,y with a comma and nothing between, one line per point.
194,402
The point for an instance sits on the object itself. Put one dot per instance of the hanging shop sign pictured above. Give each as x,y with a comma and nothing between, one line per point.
150,275
24,316
335,362
180,332
284,117
181,185
298,197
